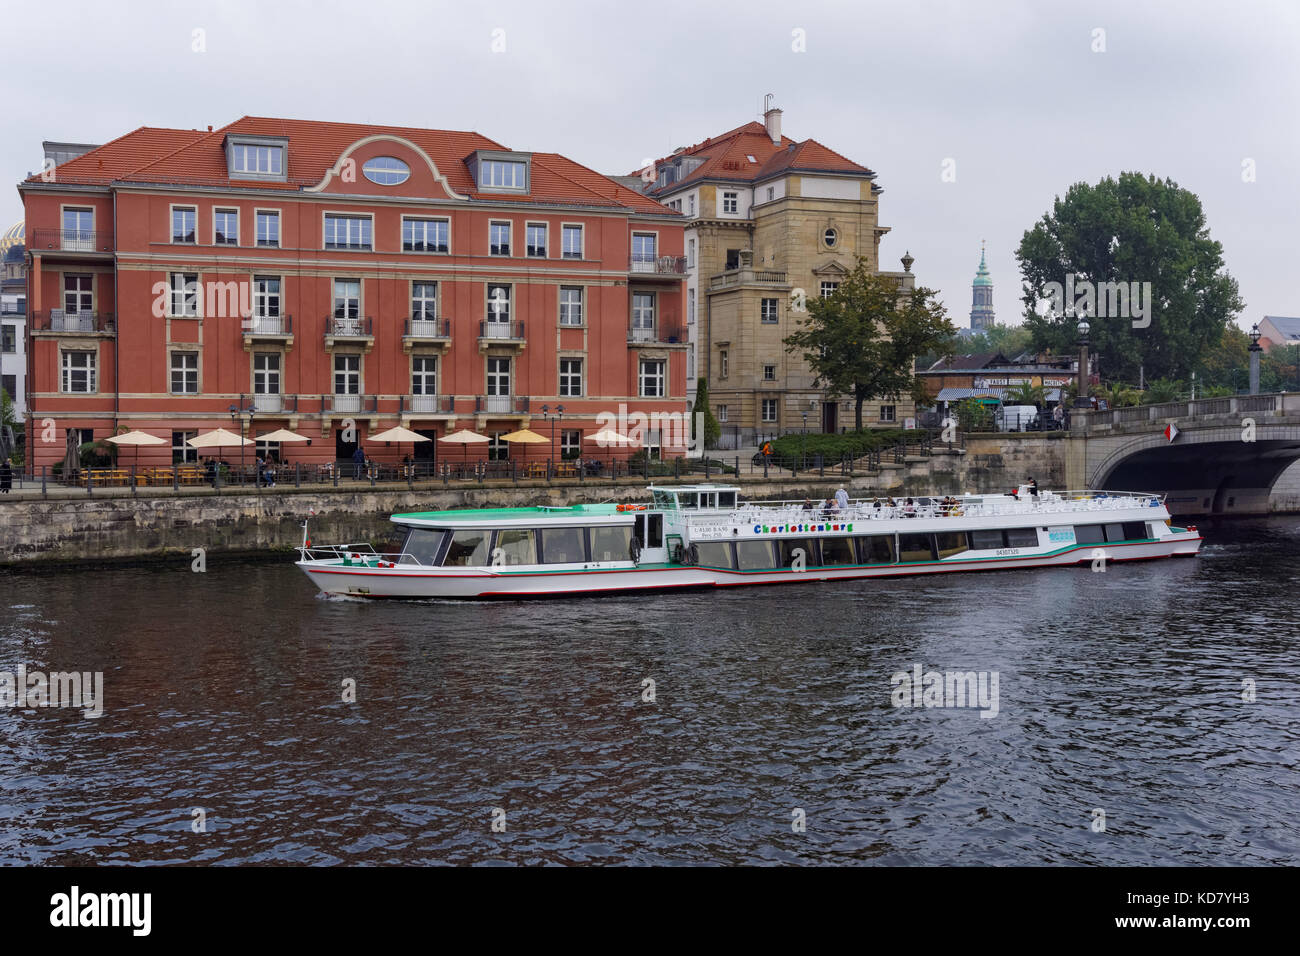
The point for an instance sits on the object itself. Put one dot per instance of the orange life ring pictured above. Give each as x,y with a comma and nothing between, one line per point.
631,507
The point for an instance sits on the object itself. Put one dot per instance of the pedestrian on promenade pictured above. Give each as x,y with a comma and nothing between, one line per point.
358,463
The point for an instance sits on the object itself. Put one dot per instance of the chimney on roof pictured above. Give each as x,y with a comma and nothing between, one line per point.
772,120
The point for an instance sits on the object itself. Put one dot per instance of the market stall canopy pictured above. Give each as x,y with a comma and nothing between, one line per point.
217,438
399,434
282,435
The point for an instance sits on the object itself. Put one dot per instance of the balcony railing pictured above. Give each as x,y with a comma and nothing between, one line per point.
349,327
60,320
501,330
425,328
427,404
349,404
71,240
657,265
501,405
746,276
268,325
668,335
269,402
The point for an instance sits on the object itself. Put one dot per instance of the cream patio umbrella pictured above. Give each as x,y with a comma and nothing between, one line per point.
526,436
282,436
136,438
607,436
220,438
399,434
465,437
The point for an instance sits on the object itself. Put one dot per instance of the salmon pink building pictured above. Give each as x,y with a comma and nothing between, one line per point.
337,280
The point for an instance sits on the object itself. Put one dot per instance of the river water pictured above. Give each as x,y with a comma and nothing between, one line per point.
1120,692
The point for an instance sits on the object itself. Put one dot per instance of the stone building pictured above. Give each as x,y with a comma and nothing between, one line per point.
769,221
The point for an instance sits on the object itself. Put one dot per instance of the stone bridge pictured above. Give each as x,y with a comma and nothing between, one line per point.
1229,456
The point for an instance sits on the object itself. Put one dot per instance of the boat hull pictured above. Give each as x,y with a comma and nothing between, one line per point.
490,583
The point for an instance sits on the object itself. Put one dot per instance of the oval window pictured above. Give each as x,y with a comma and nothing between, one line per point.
386,170
831,237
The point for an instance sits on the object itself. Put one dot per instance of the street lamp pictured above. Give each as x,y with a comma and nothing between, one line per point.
237,415
546,416
1255,348
1081,399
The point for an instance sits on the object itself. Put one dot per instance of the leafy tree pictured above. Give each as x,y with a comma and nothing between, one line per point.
712,428
1132,229
1163,390
864,339
1024,393
972,415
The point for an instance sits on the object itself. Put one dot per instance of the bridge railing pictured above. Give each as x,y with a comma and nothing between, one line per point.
1233,404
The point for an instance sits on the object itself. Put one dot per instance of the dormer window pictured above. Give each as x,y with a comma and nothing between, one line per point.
495,174
256,157
497,171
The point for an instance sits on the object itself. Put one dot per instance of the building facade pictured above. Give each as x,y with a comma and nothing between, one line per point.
769,222
336,280
1279,330
981,308
13,318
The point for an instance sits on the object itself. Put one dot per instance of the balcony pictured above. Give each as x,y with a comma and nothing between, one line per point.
501,405
273,403
79,323
71,240
267,328
501,333
658,335
349,404
425,406
426,332
349,332
663,267
734,278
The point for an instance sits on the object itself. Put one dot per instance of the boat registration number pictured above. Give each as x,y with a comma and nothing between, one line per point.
1003,552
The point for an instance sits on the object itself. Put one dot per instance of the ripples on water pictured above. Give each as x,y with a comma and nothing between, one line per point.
1119,691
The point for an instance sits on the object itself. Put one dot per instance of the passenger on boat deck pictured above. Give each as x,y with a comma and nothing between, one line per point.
876,504
909,509
1033,487
808,505
829,508
842,498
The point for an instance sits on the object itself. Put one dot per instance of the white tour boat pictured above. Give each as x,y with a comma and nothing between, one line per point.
705,535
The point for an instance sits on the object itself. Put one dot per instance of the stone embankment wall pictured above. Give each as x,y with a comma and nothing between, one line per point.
70,529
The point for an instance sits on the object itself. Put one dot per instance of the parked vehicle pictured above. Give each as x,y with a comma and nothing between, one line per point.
1016,418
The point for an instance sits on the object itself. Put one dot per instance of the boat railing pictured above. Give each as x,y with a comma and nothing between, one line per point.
365,551
970,506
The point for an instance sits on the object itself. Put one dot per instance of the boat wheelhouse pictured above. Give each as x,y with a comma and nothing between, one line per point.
707,535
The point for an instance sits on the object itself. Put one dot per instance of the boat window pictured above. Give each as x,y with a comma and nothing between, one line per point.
1022,537
726,499
564,545
1089,534
715,554
665,500
985,540
611,542
517,545
754,555
1135,530
468,549
708,500
686,499
949,543
876,549
787,548
915,547
1114,532
837,551
422,544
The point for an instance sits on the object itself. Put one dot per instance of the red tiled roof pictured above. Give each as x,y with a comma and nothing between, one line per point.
727,157
194,157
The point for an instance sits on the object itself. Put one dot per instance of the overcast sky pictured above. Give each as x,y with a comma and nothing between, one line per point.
1013,93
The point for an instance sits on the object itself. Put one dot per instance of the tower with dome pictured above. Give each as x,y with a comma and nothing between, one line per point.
981,310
